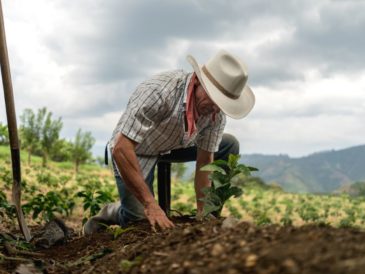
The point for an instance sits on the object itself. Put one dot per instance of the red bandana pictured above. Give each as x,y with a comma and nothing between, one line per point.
192,114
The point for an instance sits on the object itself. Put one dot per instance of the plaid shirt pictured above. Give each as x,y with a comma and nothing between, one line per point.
155,119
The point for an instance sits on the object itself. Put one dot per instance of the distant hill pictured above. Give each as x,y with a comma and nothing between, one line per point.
321,172
355,189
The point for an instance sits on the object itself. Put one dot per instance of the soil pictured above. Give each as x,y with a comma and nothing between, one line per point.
206,247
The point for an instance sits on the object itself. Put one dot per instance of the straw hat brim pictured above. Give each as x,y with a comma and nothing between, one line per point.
235,108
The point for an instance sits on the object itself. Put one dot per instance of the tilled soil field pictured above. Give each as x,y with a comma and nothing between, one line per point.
205,247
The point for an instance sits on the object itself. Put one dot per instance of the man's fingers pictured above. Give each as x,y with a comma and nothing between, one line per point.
166,223
156,216
153,224
169,224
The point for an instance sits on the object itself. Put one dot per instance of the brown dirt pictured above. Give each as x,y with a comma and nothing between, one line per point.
194,247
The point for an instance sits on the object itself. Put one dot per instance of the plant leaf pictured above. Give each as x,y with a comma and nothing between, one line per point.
213,168
233,160
244,169
222,163
235,191
251,168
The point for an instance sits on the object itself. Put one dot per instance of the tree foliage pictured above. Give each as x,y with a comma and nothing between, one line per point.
81,148
178,170
39,132
30,130
40,135
4,135
50,134
61,151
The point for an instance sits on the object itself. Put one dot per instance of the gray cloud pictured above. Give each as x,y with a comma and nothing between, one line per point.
105,48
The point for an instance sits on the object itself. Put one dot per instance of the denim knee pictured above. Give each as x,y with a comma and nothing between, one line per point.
228,145
232,143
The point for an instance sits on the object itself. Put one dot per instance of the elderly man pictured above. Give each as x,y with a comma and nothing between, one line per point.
175,117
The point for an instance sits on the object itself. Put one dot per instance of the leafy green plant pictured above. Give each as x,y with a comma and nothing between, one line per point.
127,265
261,216
116,231
286,220
93,200
234,211
46,178
222,189
183,208
7,210
50,203
6,177
308,213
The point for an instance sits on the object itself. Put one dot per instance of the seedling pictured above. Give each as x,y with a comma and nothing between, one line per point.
93,200
116,231
221,189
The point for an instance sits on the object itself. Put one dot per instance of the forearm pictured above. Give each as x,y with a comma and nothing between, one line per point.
126,160
201,181
202,177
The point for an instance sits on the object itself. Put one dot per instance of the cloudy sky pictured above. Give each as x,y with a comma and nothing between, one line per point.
306,59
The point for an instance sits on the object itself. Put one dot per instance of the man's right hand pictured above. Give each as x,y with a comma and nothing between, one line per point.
155,215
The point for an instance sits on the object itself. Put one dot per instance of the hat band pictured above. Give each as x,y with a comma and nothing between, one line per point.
217,85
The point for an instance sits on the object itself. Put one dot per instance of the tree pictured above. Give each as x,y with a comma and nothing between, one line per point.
178,170
4,135
81,148
30,128
49,135
62,151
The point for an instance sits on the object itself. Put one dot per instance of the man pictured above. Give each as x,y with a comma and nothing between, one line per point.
174,117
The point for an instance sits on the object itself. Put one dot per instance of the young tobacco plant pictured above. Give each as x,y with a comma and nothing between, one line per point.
222,189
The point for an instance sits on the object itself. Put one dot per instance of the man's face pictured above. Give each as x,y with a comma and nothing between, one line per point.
204,104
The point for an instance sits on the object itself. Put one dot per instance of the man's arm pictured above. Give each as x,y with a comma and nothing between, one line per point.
201,177
126,160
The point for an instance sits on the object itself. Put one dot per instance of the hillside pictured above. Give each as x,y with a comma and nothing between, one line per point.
320,172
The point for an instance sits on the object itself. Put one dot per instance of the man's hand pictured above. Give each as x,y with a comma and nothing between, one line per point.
155,215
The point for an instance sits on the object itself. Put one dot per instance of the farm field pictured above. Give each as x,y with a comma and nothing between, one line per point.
277,232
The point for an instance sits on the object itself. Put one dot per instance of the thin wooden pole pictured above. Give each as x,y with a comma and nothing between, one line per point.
12,127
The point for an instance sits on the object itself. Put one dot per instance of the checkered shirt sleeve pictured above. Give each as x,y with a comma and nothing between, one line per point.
145,108
210,137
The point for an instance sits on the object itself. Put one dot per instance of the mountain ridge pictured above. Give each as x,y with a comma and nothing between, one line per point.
320,172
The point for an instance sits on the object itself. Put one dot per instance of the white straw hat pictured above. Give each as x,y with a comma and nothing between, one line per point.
224,78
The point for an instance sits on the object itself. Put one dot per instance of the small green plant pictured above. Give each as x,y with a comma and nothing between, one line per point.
234,211
308,213
93,200
6,177
261,216
222,189
183,208
116,231
7,210
286,220
48,204
126,265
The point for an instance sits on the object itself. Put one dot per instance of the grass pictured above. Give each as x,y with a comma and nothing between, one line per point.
258,204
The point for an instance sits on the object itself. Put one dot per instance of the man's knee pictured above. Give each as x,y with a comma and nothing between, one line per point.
232,143
228,145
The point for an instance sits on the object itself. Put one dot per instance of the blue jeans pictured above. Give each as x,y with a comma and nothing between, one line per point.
132,210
